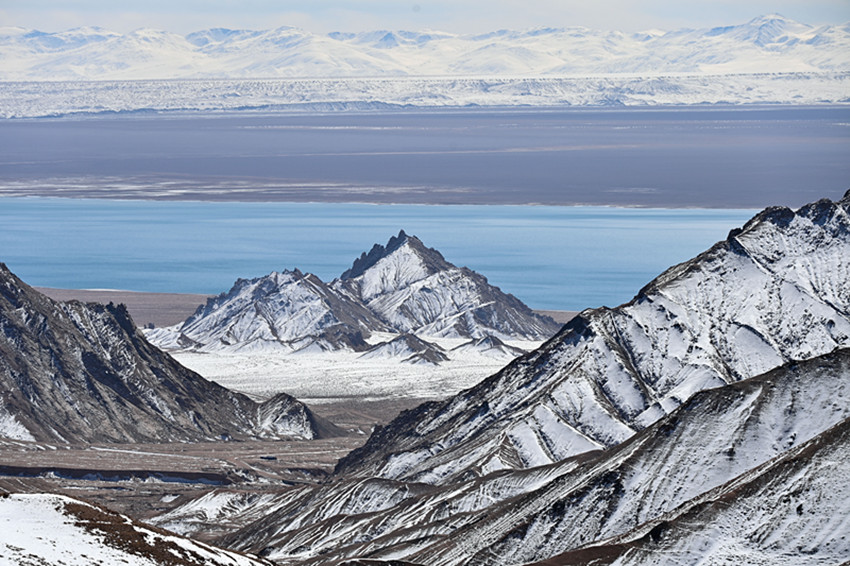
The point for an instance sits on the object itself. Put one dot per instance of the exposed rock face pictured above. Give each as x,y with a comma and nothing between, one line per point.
772,292
402,287
83,372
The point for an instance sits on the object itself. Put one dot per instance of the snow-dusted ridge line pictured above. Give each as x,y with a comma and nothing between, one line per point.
109,97
773,292
769,43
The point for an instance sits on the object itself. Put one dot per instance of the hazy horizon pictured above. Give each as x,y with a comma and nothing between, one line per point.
468,17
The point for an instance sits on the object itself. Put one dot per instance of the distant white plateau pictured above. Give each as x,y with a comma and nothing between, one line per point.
770,59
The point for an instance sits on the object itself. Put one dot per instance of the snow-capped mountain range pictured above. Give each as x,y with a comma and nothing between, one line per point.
772,292
767,44
403,288
76,372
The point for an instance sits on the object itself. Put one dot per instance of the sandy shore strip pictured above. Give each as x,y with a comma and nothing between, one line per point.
159,309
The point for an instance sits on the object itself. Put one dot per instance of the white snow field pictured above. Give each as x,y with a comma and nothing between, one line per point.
323,377
54,529
770,59
51,99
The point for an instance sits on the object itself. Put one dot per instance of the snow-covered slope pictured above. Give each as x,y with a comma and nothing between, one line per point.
414,289
738,432
793,511
83,372
767,44
287,311
402,288
491,347
54,529
772,292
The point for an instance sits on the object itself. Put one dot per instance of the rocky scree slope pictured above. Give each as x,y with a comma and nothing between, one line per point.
75,372
738,433
402,288
791,511
772,292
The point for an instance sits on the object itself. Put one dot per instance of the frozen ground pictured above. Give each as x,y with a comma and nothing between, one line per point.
338,376
43,99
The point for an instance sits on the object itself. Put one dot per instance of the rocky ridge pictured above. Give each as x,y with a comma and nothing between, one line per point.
76,372
703,452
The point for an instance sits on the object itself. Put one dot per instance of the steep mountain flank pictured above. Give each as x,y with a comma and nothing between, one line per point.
772,292
74,372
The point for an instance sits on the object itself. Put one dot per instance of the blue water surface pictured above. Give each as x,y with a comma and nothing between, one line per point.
565,258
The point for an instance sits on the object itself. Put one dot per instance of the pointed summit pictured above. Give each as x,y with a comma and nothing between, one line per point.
285,311
432,258
414,289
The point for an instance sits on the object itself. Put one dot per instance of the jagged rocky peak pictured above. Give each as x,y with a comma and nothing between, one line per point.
414,289
773,292
403,287
429,259
75,372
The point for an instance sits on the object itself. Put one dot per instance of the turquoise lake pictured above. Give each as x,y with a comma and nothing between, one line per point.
565,258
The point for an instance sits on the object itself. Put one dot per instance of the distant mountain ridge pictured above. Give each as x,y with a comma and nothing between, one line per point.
769,43
76,372
402,288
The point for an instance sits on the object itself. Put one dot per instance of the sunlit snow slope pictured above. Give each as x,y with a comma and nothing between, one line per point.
54,529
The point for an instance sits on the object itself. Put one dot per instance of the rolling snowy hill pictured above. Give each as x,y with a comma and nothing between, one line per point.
767,44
